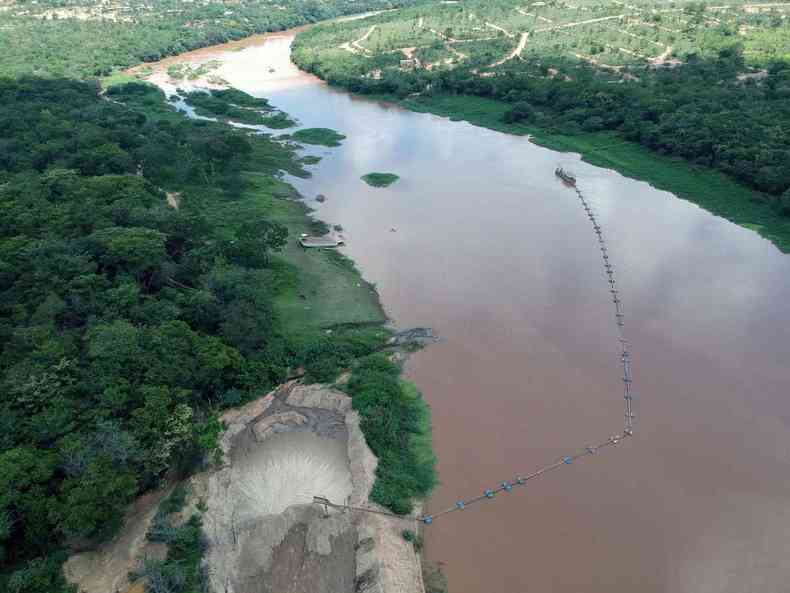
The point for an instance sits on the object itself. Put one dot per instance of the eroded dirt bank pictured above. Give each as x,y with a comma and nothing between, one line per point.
263,533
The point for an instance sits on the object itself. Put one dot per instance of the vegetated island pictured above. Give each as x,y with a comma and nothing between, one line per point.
380,179
319,136
151,280
237,106
694,99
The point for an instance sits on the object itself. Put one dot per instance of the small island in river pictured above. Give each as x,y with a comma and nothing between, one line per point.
319,136
380,179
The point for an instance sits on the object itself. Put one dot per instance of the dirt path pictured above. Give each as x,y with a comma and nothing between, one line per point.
106,569
364,38
473,40
522,43
537,16
354,46
445,37
631,6
657,26
461,55
579,23
627,52
498,28
662,58
173,199
759,7
642,38
597,63
408,53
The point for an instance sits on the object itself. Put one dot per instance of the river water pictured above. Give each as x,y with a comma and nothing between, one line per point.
480,241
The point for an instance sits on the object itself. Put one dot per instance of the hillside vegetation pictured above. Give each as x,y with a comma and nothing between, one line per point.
708,84
83,38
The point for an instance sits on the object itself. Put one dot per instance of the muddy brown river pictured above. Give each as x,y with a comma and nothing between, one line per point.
481,242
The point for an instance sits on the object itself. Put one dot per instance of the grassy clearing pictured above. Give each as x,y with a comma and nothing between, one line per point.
116,78
317,289
319,136
380,179
709,189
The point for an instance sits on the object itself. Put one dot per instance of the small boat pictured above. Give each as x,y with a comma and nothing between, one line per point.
566,176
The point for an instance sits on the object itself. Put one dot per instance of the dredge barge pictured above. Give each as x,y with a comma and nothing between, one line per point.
566,176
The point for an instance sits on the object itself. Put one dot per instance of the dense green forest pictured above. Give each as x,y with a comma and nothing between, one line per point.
123,320
129,315
710,85
82,38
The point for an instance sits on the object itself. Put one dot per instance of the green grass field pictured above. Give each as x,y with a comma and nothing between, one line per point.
317,289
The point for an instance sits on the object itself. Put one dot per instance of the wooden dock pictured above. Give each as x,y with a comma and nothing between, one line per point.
325,242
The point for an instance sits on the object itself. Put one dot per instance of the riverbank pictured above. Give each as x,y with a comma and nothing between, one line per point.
709,189
333,317
314,290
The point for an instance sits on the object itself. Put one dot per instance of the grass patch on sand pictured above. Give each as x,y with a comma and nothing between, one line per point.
319,136
380,179
706,187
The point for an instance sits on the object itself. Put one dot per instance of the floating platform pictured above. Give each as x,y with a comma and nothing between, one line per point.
325,242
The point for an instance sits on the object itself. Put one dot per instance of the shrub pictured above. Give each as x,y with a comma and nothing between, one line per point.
396,422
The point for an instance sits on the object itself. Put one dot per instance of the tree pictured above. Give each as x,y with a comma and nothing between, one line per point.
784,203
254,241
93,504
40,575
115,350
139,251
25,474
521,111
162,424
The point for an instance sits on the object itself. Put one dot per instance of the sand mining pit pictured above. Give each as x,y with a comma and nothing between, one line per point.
262,530
264,533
